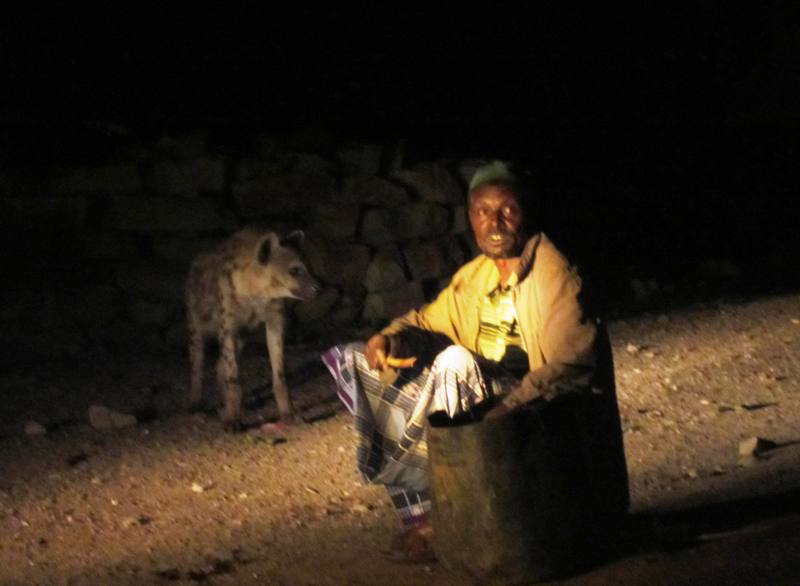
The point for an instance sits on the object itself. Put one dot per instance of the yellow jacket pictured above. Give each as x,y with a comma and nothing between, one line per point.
557,335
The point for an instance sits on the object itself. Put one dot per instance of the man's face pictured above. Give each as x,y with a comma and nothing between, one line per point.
496,218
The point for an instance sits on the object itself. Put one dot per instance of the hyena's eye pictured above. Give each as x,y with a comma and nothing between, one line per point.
295,271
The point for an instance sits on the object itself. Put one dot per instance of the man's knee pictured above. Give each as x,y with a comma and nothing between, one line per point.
454,357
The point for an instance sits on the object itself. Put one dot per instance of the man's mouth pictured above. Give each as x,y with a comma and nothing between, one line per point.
497,238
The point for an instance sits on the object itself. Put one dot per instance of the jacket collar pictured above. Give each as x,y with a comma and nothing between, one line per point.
492,276
528,256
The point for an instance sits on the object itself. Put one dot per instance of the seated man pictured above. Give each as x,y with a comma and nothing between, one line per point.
510,329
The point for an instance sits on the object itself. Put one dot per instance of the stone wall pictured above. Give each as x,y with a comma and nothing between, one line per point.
381,236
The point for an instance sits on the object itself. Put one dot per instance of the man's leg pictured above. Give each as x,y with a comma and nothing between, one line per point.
413,507
414,543
390,421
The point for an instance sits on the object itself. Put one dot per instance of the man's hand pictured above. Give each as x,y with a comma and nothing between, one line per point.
387,351
375,352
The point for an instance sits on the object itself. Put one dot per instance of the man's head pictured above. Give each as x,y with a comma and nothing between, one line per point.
496,211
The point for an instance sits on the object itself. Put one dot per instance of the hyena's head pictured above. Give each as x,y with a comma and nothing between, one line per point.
277,269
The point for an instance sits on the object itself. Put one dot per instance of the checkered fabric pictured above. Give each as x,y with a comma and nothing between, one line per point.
390,420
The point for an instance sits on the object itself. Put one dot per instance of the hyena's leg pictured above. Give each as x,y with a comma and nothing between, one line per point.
196,356
275,324
228,368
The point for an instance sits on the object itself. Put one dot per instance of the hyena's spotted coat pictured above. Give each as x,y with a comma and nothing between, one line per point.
239,285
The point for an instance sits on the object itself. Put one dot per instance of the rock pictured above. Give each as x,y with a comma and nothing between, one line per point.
455,252
182,147
467,168
129,522
632,349
359,508
346,313
426,260
275,430
120,420
77,458
156,281
202,486
319,307
164,214
755,446
339,263
386,270
177,335
66,210
433,182
102,418
385,305
310,164
468,241
418,220
118,178
747,461
148,313
168,574
373,191
107,246
262,189
335,222
644,291
186,178
96,306
718,268
460,223
181,249
34,428
362,159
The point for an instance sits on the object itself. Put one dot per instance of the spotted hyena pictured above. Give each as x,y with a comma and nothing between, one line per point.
239,285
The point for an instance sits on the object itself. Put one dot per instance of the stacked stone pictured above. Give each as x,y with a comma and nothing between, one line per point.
381,237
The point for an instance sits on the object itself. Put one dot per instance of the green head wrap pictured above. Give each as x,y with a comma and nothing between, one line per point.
494,172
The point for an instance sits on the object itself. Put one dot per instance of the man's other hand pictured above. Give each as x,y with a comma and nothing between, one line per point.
377,347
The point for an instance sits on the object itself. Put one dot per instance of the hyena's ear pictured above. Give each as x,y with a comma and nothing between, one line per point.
265,248
294,239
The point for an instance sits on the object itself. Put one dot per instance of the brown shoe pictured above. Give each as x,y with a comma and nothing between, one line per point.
413,545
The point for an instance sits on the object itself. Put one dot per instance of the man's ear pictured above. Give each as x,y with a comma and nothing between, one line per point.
294,239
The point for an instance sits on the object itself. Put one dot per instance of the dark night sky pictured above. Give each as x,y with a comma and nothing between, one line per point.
635,87
395,73
661,123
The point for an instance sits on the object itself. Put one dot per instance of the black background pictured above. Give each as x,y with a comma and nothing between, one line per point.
659,136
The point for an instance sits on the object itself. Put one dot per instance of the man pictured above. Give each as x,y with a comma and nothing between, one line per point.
510,330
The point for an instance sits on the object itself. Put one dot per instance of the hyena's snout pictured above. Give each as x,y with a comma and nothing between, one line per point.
305,286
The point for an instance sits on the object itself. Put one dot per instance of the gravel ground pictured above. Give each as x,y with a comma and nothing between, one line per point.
174,500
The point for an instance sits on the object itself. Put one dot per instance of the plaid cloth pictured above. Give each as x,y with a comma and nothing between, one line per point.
390,420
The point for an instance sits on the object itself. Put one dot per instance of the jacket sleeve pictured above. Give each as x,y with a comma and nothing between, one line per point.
566,336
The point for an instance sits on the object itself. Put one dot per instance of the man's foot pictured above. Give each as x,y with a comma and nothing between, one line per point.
413,545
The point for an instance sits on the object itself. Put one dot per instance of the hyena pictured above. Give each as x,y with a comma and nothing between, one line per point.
239,285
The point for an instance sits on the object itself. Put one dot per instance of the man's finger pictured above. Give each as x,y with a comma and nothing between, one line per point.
380,359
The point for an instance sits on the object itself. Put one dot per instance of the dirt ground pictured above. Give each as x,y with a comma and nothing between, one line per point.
174,500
